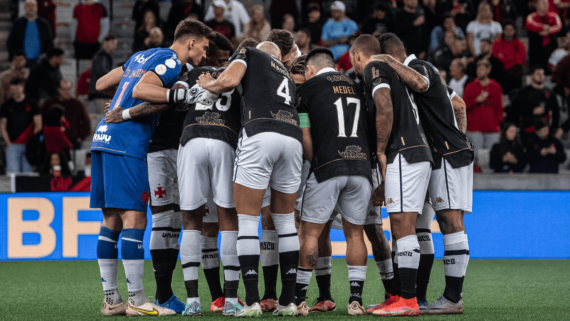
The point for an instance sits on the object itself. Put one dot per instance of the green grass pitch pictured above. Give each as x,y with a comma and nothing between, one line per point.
494,290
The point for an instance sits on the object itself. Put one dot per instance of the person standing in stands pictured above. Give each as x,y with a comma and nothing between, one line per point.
337,30
31,34
90,25
545,152
543,26
102,65
20,119
45,77
18,70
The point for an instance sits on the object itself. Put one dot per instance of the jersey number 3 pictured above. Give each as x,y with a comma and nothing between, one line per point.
340,113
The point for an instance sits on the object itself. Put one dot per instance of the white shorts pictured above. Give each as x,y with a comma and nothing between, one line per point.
452,188
304,175
269,160
162,178
205,166
349,195
406,185
374,212
210,211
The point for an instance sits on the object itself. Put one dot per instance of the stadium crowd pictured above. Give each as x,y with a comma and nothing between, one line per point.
475,44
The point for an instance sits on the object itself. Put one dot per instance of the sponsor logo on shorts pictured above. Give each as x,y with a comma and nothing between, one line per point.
159,192
171,235
210,118
352,152
145,196
439,200
285,117
390,201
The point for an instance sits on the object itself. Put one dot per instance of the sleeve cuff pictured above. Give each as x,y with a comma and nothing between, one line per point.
241,61
453,94
380,86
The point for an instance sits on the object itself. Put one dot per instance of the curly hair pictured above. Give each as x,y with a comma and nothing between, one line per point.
283,39
298,67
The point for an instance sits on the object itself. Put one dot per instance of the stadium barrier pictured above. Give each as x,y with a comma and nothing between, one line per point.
504,224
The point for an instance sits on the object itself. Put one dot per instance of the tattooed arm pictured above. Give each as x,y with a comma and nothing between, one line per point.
412,78
140,110
384,119
460,113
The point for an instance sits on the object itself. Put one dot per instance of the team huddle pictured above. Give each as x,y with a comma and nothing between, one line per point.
271,131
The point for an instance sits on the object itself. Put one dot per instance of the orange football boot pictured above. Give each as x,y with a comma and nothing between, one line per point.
403,307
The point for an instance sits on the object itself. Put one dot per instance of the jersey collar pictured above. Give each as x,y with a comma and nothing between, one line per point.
325,70
409,59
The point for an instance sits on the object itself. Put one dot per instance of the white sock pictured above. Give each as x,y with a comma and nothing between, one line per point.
269,248
386,269
190,257
108,268
229,257
190,300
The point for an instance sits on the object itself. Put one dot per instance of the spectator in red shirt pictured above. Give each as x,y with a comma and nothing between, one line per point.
542,26
82,89
90,26
219,23
484,100
512,53
54,132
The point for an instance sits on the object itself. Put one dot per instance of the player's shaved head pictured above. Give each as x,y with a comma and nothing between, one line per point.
368,45
320,58
392,45
270,48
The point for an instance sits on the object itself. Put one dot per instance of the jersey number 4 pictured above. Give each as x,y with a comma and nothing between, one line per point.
340,113
283,91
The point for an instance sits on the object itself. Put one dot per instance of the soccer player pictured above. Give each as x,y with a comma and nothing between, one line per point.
269,153
404,161
451,184
119,184
333,119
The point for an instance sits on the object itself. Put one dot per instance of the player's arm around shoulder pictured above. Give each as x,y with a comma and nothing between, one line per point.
227,80
415,80
108,84
152,86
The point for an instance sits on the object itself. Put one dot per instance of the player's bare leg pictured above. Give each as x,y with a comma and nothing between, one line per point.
282,213
324,303
228,225
191,256
107,257
382,255
455,260
269,250
356,257
248,203
309,234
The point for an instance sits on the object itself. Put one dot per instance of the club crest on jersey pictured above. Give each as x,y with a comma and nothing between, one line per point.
210,118
160,69
352,152
285,117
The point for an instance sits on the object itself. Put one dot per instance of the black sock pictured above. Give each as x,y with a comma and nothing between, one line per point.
213,279
424,271
288,262
324,284
250,272
270,281
231,289
453,286
191,288
356,291
388,287
302,285
163,266
396,285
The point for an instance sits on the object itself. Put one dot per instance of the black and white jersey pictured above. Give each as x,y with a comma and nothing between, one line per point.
438,118
339,129
220,121
268,95
169,128
407,137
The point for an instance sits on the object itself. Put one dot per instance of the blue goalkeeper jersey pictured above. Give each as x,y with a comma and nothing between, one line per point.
132,137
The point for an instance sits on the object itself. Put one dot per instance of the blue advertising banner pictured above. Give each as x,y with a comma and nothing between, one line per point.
504,224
